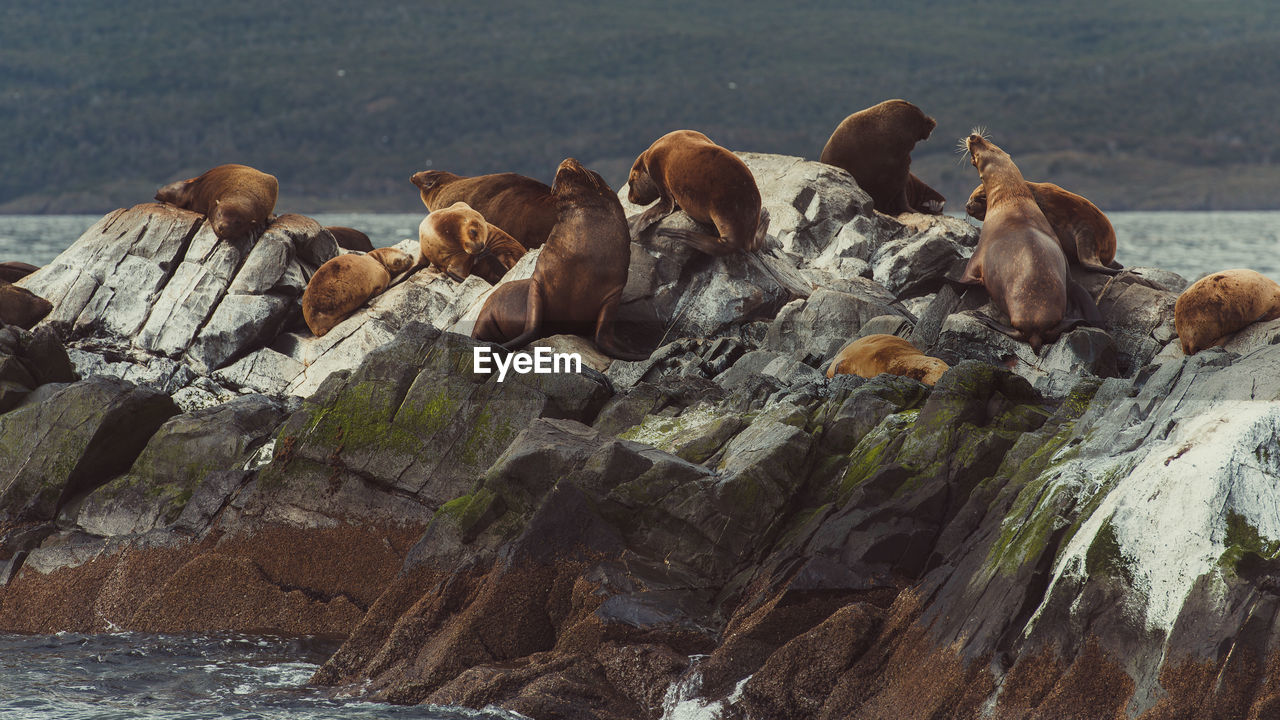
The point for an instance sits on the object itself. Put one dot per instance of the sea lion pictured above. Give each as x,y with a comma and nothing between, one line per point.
685,170
1217,306
458,241
1018,258
236,199
874,354
19,306
350,238
578,279
346,282
923,198
523,207
875,145
13,271
1083,231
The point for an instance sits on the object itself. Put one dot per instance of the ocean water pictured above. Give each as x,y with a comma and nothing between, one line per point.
1192,244
134,676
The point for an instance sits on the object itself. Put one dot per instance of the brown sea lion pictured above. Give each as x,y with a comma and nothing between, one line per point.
578,279
350,238
346,282
19,306
521,206
13,271
1217,306
923,198
1018,259
874,354
685,170
1083,231
236,199
875,145
458,242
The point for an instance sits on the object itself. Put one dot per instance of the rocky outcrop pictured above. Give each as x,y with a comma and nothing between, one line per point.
718,530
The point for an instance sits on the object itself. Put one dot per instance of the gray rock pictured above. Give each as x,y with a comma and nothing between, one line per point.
827,320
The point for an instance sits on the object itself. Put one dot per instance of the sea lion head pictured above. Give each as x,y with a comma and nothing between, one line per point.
232,220
985,155
395,261
463,226
428,179
976,207
912,116
175,193
641,189
574,180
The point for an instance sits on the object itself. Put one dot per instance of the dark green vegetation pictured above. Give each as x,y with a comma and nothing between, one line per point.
1137,104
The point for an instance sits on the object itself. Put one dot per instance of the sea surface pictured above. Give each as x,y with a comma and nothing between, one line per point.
1192,244
135,676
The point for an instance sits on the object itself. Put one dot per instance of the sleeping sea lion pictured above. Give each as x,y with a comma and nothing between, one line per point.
874,354
344,283
19,306
458,242
1219,305
236,199
579,276
523,207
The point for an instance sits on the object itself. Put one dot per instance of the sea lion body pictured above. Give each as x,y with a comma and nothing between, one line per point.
458,241
685,170
875,145
578,279
344,283
874,354
19,306
237,200
1220,304
13,270
523,207
350,238
1082,229
1018,258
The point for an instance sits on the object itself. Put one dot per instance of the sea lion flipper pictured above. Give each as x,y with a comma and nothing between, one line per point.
1082,302
532,319
703,242
762,231
606,337
644,220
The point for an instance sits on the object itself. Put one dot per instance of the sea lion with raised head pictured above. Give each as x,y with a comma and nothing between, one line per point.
579,276
1083,231
1221,304
237,200
344,283
523,207
459,242
685,170
874,354
19,306
875,145
1018,259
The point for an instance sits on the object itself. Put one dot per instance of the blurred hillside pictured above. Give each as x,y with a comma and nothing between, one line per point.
1137,104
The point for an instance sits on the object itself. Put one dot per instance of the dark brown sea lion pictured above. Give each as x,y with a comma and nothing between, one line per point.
236,199
1018,259
19,306
13,271
521,206
350,238
346,282
923,198
875,145
578,279
874,354
685,170
1219,305
459,242
1083,231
